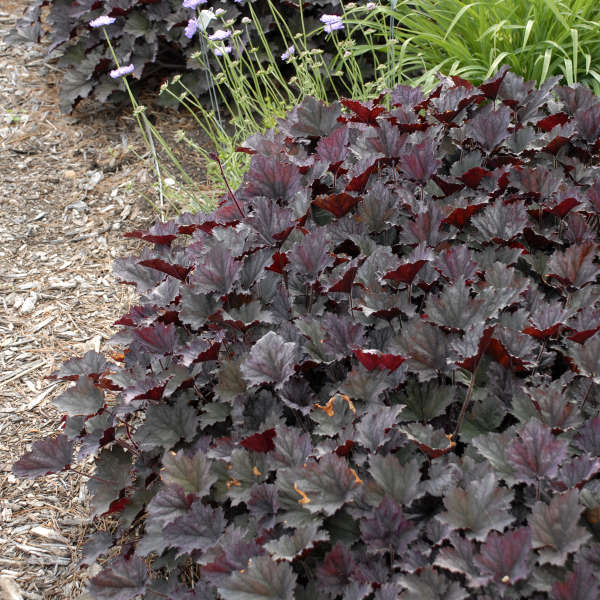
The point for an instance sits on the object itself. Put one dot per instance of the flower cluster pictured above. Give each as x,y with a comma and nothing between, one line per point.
121,71
102,21
332,23
193,3
288,53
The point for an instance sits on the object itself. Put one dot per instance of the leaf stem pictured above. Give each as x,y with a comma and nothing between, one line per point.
229,190
466,402
91,476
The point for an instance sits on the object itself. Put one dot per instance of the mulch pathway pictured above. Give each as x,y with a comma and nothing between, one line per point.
70,185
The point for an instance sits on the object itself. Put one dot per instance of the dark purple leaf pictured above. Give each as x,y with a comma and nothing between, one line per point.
365,112
479,507
199,528
260,442
292,447
333,148
406,95
588,122
425,401
556,532
536,453
336,571
581,584
97,545
84,398
166,424
123,580
192,473
158,338
588,436
177,271
91,364
113,473
263,505
269,220
288,547
327,484
217,272
162,234
425,228
271,361
426,347
506,557
310,256
576,472
489,127
501,221
587,357
398,481
262,578
420,163
337,204
428,584
491,86
388,140
46,456
312,118
386,529
376,426
455,263
460,558
342,334
575,97
271,178
170,503
434,442
574,266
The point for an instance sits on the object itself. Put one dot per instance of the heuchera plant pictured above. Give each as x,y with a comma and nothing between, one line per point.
373,372
150,34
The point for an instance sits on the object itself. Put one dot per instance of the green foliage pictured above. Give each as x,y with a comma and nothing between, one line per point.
537,38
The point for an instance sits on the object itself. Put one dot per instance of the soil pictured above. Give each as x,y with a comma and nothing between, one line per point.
70,185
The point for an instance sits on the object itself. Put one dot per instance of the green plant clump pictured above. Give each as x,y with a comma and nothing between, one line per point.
472,39
373,372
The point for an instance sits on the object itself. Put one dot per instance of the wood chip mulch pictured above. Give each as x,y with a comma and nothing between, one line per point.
70,185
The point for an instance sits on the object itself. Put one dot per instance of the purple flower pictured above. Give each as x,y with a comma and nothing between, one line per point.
191,28
288,53
219,35
219,12
222,50
102,21
371,6
121,71
193,3
331,22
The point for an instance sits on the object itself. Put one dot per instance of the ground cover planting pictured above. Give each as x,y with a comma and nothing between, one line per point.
373,371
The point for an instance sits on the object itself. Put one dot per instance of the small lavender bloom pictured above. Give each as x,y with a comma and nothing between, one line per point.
291,50
222,50
219,35
332,23
370,6
219,12
121,71
193,3
191,28
102,21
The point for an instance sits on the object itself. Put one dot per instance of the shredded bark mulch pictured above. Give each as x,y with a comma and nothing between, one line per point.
70,186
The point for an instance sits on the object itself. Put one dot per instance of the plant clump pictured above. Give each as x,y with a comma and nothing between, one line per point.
152,35
372,372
